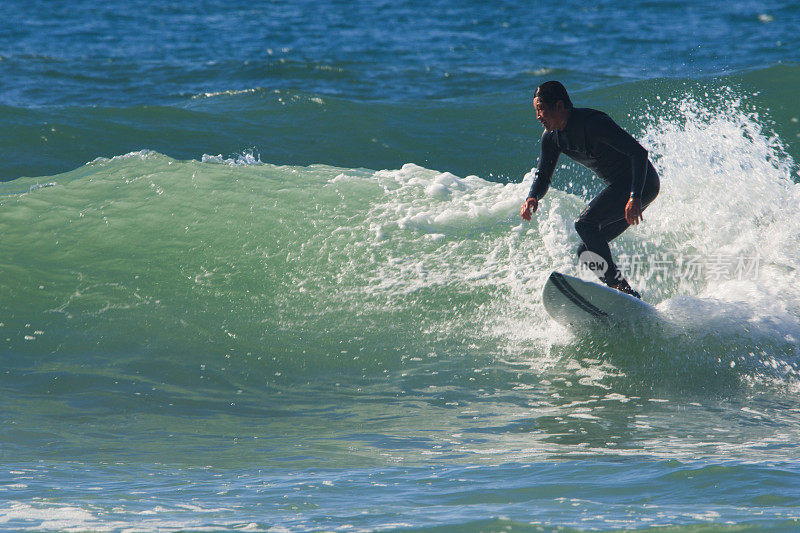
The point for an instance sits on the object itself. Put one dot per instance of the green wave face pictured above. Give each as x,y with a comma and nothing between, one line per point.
248,266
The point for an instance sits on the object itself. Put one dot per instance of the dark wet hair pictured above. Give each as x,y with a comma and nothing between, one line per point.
551,92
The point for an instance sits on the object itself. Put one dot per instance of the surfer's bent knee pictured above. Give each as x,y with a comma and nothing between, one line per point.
582,225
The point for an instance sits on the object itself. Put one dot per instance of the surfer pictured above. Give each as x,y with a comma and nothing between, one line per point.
594,140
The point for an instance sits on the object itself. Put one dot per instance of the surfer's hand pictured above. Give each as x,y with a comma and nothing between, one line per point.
633,211
530,206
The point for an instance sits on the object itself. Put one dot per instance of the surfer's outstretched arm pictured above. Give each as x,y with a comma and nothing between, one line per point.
544,174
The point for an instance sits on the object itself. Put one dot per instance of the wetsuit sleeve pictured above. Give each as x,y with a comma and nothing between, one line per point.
546,167
603,129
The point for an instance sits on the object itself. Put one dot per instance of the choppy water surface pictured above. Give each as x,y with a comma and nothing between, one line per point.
263,269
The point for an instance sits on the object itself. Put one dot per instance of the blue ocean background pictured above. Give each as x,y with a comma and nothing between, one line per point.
263,269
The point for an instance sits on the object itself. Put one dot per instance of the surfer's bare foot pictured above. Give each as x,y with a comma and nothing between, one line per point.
624,286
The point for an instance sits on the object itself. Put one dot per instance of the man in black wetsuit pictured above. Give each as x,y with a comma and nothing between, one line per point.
595,141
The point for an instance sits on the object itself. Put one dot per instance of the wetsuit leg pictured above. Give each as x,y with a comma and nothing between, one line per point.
604,220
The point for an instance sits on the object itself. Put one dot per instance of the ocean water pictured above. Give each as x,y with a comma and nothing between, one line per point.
263,269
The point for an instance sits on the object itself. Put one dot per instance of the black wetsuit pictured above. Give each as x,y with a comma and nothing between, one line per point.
595,141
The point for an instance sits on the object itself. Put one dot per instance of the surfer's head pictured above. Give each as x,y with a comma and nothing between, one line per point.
552,104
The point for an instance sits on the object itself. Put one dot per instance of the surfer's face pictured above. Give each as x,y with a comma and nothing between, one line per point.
552,118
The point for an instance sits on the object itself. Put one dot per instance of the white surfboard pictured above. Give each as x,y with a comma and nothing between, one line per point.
572,301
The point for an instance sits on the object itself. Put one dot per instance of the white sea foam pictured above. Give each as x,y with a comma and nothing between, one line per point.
48,517
727,189
231,92
246,158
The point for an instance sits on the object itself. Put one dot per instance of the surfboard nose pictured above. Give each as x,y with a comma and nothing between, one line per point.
572,301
